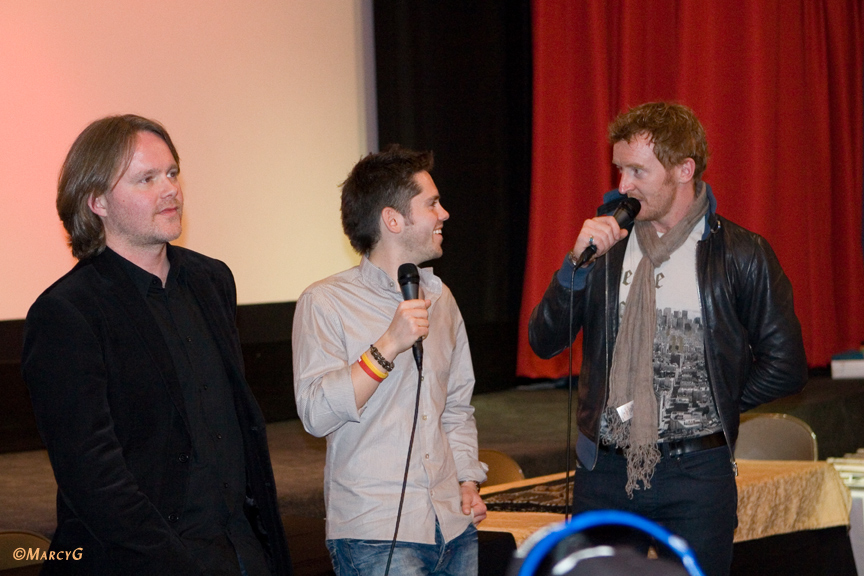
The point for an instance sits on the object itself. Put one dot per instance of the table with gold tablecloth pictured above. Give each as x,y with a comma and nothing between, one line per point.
774,497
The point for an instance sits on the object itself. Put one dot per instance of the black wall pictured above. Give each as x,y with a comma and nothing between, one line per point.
455,78
17,424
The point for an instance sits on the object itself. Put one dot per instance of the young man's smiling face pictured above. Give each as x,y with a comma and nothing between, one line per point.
422,236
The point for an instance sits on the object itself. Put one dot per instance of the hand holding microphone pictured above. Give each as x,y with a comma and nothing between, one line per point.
409,282
410,323
599,234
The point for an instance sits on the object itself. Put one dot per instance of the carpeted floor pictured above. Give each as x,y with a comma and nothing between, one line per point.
528,424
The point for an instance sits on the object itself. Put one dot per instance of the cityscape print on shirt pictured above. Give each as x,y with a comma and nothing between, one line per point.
686,407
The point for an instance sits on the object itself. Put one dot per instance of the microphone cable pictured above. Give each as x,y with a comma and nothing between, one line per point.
585,257
569,399
419,361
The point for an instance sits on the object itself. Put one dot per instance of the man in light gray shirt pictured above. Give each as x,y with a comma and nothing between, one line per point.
362,397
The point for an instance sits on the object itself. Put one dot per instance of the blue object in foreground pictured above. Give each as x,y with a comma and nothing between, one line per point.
543,542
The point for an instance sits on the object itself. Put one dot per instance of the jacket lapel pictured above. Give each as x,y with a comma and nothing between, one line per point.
217,310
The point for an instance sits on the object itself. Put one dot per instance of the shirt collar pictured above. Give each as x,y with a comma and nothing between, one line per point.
375,277
142,279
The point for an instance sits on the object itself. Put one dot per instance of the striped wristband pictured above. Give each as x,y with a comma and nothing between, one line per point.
371,369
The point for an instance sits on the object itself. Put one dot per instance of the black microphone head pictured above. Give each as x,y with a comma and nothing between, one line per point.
409,280
626,212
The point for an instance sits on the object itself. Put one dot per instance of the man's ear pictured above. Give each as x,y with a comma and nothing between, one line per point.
97,204
686,170
392,220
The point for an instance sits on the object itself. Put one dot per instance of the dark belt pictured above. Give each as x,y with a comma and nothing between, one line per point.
679,447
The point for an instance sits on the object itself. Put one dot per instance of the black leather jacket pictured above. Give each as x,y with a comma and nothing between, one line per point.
754,352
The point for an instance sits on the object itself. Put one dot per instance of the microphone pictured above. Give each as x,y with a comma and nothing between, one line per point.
409,282
624,214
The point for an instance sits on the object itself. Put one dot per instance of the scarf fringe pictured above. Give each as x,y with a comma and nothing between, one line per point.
641,459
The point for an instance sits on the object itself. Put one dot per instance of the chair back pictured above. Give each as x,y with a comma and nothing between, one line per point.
775,437
502,468
12,540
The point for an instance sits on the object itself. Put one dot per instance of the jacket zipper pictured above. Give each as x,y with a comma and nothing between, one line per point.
709,362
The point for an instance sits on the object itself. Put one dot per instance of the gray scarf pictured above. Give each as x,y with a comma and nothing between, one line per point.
632,374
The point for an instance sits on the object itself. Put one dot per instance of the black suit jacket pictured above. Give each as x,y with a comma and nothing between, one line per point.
110,410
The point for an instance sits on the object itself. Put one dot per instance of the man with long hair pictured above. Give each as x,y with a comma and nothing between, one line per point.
134,368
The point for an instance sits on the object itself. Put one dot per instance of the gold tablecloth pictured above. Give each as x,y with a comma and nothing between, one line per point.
774,497
778,497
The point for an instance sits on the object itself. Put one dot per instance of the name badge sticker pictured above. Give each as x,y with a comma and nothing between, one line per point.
625,412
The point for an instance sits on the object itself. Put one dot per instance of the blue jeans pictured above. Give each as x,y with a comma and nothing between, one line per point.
693,496
369,557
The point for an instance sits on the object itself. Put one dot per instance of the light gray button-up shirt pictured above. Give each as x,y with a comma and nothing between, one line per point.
335,322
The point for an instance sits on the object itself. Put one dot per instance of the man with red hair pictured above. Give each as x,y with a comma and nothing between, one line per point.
688,320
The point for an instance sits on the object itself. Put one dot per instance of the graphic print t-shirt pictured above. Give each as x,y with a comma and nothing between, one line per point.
686,406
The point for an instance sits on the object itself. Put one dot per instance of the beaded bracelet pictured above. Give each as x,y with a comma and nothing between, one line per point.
388,366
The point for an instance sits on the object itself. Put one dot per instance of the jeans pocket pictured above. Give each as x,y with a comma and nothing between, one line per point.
714,463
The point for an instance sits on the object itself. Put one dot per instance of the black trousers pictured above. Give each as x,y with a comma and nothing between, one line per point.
693,496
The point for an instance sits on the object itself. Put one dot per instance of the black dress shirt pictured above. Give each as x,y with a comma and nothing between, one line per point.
213,525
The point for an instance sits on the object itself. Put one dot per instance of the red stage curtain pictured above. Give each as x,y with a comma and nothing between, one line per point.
778,87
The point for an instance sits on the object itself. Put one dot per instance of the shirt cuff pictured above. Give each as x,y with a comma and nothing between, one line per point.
474,473
566,271
339,390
